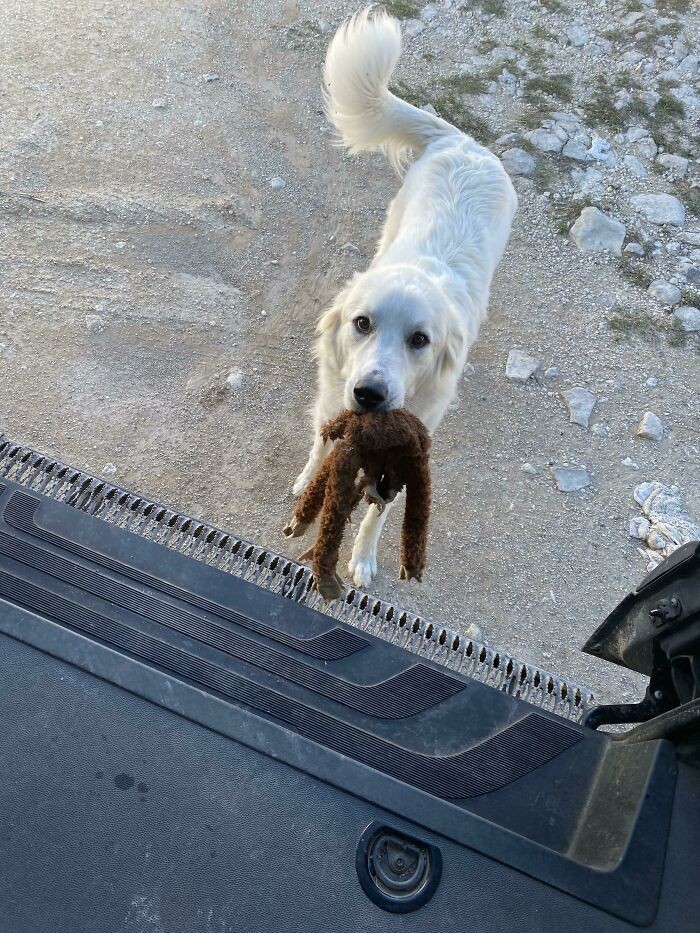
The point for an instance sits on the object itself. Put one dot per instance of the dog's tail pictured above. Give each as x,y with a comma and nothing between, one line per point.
368,117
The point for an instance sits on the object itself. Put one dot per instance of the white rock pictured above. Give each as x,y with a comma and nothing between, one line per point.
644,148
602,151
635,133
666,293
508,139
650,427
211,76
656,541
413,27
640,528
94,323
629,462
660,208
605,300
595,232
552,372
235,380
600,430
575,150
634,166
631,19
649,98
428,12
571,479
652,382
578,35
690,64
109,469
159,103
520,367
518,162
580,403
277,182
635,248
545,140
674,165
529,469
663,507
689,318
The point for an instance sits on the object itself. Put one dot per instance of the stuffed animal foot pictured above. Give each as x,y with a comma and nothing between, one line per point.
408,573
295,529
330,587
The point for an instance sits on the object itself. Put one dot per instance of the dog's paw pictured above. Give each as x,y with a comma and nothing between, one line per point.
363,569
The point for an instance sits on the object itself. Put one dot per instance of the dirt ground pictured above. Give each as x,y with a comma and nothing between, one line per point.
138,145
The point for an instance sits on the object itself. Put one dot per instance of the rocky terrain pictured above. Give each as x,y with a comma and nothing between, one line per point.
174,218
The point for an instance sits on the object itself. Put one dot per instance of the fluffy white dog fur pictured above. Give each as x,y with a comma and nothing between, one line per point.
407,323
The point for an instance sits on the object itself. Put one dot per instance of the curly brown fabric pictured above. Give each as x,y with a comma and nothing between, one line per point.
391,449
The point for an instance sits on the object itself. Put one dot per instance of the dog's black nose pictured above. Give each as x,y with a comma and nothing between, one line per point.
370,395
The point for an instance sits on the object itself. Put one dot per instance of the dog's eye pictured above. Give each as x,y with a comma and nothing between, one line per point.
362,324
418,340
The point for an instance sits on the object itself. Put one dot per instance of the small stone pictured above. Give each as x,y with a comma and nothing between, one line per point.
650,427
277,182
635,133
629,462
633,18
664,292
428,12
645,148
580,403
109,469
578,35
605,300
552,372
518,162
674,165
640,528
529,469
211,76
652,382
571,479
508,139
656,541
602,151
234,380
520,367
595,232
689,318
690,64
635,166
159,103
575,150
428,108
94,323
600,430
636,249
545,140
349,248
413,27
660,208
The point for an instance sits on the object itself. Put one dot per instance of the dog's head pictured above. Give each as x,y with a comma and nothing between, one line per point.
390,337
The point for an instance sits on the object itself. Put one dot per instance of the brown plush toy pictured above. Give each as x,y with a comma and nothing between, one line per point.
391,449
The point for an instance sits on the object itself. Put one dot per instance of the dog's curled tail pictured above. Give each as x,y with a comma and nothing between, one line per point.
368,117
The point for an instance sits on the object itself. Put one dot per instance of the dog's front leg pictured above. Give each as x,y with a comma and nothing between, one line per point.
363,563
316,458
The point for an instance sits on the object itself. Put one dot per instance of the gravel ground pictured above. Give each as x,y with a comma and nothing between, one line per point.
159,283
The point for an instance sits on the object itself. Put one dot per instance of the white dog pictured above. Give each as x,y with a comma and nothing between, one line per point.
399,333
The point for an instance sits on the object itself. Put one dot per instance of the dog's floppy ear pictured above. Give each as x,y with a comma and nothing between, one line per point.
451,357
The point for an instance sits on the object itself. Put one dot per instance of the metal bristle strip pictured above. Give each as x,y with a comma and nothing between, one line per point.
289,579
